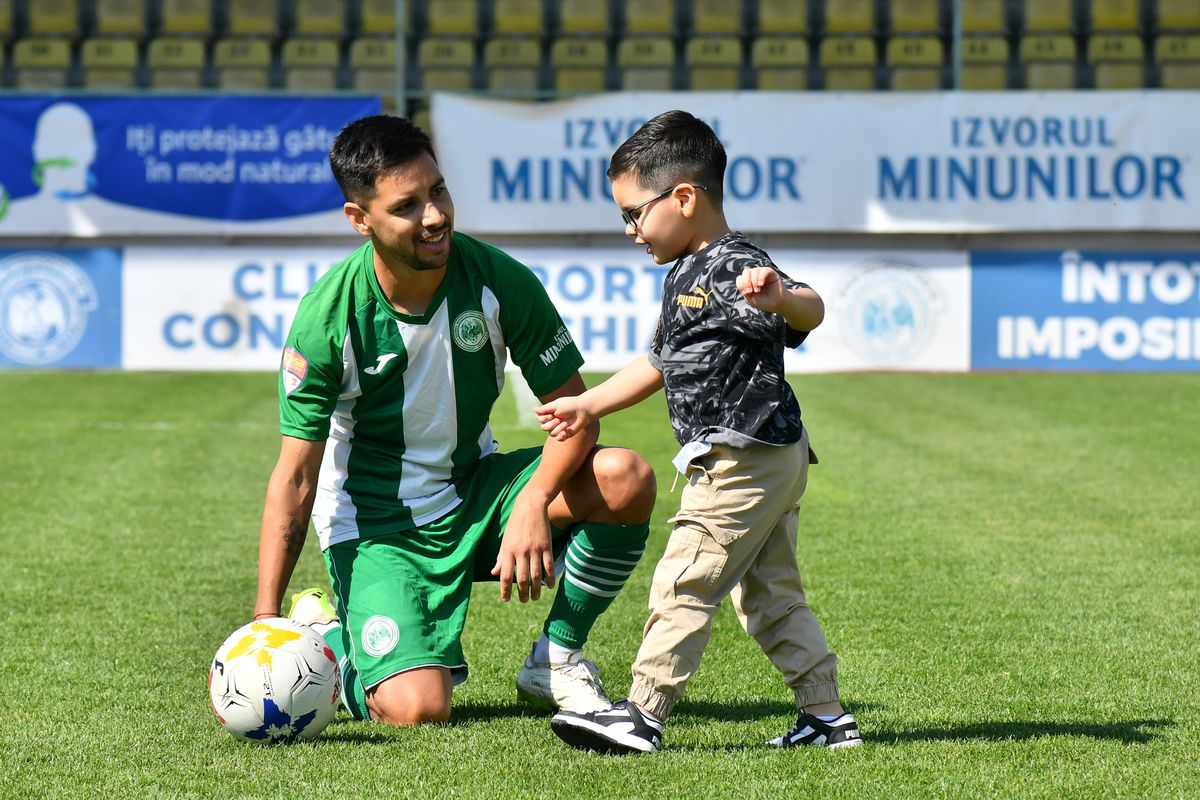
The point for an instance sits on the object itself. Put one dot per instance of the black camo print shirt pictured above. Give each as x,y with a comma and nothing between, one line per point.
721,359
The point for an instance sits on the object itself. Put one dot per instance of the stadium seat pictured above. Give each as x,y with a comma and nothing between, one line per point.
319,18
579,64
716,16
452,18
518,18
120,18
983,17
41,63
583,17
1118,61
714,63
372,63
914,16
253,18
984,63
650,16
1049,61
513,64
849,16
446,64
1115,15
422,119
186,17
242,64
175,63
310,65
782,17
780,63
378,17
848,62
647,63
915,63
1178,59
7,24
52,18
109,63
1049,16
1177,15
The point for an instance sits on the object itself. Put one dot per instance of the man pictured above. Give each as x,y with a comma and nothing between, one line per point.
391,368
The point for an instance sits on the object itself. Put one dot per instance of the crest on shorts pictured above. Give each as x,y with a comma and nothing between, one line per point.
380,635
470,331
294,368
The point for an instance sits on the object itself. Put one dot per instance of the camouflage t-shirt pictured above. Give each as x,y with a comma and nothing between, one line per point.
722,359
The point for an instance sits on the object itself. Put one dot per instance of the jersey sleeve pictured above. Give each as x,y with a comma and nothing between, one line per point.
536,335
310,378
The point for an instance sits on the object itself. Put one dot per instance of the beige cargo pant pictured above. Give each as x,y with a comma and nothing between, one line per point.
735,534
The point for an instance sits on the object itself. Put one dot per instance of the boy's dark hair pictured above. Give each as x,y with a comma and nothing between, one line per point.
672,148
370,147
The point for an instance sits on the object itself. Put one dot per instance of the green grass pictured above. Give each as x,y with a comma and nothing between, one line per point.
1006,564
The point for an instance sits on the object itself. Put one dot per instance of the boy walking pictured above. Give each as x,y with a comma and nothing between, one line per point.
718,351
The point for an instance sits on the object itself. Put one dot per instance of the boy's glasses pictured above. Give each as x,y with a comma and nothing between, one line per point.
632,216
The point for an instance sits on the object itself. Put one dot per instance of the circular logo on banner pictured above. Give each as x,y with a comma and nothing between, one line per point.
889,310
470,331
380,635
44,304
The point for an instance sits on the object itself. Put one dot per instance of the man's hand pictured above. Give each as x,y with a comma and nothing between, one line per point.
762,288
526,552
564,417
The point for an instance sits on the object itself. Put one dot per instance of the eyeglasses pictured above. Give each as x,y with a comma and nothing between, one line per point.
632,216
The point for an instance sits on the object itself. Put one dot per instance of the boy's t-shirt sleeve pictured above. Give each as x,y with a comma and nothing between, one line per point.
310,379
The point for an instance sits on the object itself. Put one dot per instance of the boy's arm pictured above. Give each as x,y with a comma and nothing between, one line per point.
564,417
802,308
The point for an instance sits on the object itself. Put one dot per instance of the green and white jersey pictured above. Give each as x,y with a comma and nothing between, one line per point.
403,400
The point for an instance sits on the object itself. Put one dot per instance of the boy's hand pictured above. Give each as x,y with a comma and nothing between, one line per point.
564,417
762,288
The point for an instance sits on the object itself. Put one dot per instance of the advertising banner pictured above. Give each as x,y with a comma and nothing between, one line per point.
148,165
946,162
1088,310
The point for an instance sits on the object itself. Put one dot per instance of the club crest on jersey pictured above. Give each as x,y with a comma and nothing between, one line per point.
380,635
294,368
470,331
697,299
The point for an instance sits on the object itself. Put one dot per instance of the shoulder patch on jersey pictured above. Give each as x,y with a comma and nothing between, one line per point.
470,331
294,368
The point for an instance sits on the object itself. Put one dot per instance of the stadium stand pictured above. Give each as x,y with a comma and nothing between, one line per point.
518,17
646,63
983,17
319,18
583,17
242,64
513,64
175,63
109,63
378,17
1177,15
452,18
915,63
780,63
716,17
186,17
652,17
7,25
372,63
579,64
52,18
1118,61
1178,61
777,17
1049,61
253,18
1114,15
714,63
1049,16
914,16
446,64
849,16
120,18
848,62
985,63
310,65
41,63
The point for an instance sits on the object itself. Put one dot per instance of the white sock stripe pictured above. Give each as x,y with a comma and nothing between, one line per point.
578,563
576,572
591,589
591,556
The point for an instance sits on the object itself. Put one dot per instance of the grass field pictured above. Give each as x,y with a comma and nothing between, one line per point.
1007,566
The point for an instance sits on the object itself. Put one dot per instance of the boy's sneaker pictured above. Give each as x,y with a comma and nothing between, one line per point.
572,686
620,730
312,607
813,732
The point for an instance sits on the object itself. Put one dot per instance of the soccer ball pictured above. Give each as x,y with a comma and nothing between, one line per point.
274,680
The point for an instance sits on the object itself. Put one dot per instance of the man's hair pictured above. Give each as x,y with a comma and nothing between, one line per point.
374,146
672,148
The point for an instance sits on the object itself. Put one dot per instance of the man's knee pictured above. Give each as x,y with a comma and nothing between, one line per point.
417,697
626,484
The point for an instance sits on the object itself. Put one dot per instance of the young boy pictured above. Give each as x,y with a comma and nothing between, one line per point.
718,351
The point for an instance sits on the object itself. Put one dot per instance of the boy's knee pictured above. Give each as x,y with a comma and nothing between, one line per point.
397,702
626,483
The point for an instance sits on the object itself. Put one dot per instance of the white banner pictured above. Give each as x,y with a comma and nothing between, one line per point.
880,163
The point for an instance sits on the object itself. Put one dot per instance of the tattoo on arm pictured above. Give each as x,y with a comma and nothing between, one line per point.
295,531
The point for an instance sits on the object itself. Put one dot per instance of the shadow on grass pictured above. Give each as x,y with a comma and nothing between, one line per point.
1134,731
747,710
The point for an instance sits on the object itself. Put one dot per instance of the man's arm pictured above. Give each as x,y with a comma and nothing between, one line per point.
290,494
563,418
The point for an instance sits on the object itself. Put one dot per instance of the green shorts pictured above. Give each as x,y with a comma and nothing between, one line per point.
403,597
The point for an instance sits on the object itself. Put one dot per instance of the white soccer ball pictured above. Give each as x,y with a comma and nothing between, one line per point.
274,680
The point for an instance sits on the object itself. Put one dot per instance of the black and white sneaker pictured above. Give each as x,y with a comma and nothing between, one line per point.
814,732
620,730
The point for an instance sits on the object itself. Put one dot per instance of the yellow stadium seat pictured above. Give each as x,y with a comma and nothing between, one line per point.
319,18
121,18
52,18
1178,59
242,64
253,18
41,63
984,63
780,63
1118,61
849,16
372,63
175,63
1049,61
109,63
915,62
579,65
583,17
446,64
647,63
983,17
1177,15
714,63
848,62
513,64
518,17
1049,16
1115,15
423,120
716,16
309,65
914,16
780,17
7,24
378,17
650,16
186,17
453,18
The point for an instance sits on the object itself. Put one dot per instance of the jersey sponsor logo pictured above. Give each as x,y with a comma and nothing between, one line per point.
380,635
45,301
470,331
294,369
562,340
697,299
380,364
